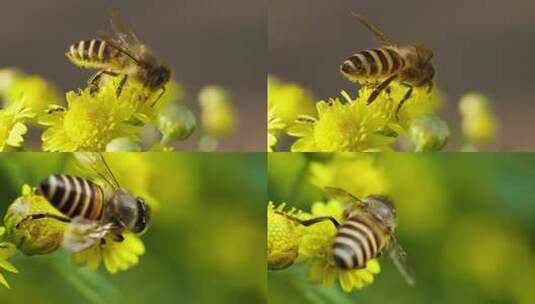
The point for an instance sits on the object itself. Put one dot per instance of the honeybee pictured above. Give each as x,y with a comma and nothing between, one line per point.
410,65
367,231
92,211
125,55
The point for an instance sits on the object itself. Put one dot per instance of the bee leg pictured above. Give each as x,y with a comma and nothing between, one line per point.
159,96
381,87
93,82
121,85
118,237
311,221
407,96
42,216
95,79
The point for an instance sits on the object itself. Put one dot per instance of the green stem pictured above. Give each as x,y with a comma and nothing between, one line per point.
166,139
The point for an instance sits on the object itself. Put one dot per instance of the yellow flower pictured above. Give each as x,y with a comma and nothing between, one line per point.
352,125
7,77
117,256
36,92
479,123
287,101
135,96
89,123
316,245
7,250
218,116
341,127
12,127
357,173
274,127
282,238
420,103
33,237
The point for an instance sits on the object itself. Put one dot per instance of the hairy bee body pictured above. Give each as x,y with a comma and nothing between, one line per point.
96,54
410,63
379,63
357,241
74,196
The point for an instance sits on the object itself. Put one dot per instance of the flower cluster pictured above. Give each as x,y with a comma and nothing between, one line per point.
7,250
288,242
37,228
110,115
351,124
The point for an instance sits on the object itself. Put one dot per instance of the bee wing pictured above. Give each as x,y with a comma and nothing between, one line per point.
399,257
82,233
342,196
98,166
379,35
119,45
122,29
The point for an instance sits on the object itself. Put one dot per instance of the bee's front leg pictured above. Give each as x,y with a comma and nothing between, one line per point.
311,221
380,88
402,101
121,85
42,216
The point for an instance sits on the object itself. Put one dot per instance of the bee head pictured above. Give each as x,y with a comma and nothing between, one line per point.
129,211
159,77
425,54
353,68
382,209
144,216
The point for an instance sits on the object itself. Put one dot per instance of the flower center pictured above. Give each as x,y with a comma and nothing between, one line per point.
87,125
337,130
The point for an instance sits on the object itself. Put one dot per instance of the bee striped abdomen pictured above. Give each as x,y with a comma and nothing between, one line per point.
355,244
91,53
73,196
375,63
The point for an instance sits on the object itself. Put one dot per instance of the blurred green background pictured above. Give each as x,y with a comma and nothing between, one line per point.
467,222
203,246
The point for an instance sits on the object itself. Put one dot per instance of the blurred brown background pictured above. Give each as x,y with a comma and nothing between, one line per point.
203,41
488,46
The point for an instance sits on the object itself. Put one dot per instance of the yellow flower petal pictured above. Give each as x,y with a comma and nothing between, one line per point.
8,266
3,281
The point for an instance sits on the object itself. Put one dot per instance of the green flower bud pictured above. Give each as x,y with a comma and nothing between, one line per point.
123,144
429,133
283,238
34,236
176,122
218,114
